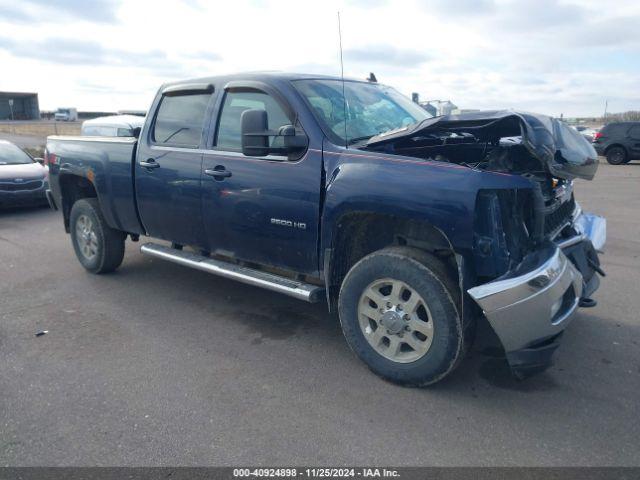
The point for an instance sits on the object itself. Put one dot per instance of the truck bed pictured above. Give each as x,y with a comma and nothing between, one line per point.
107,162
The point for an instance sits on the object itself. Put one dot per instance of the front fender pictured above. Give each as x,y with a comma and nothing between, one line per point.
444,195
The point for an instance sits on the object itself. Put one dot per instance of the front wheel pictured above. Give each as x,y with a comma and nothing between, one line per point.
399,311
99,248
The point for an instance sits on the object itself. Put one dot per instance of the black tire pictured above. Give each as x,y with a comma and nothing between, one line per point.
617,156
109,243
433,281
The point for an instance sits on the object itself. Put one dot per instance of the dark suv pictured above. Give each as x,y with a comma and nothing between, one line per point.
619,142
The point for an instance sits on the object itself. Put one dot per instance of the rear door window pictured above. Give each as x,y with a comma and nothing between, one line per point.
634,132
180,120
615,130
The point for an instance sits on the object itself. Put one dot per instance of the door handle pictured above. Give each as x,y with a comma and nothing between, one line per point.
150,163
218,172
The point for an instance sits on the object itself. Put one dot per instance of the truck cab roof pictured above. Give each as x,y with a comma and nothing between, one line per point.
263,76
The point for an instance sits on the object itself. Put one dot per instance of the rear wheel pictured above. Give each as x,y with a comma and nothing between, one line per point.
99,248
617,156
399,311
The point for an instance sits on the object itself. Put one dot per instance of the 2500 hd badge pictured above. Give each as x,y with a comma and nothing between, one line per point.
289,223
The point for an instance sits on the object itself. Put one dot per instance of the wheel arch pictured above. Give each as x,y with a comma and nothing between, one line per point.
609,147
73,188
360,233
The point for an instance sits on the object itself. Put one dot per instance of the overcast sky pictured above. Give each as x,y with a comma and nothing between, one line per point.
547,56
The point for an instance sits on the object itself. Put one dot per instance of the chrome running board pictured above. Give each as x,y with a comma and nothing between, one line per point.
269,281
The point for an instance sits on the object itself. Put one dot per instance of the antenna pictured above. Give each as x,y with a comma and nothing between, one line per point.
344,98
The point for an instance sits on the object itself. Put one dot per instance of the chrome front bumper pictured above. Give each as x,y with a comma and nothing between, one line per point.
535,302
589,227
533,305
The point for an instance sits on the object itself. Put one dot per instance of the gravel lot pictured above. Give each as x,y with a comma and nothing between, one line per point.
160,365
25,141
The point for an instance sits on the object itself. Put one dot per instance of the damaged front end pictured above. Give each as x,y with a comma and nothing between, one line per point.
534,250
534,265
505,141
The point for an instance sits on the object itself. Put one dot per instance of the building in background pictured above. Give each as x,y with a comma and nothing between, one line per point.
460,111
23,106
82,115
438,107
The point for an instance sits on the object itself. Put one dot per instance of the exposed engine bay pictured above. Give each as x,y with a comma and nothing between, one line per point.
503,141
509,224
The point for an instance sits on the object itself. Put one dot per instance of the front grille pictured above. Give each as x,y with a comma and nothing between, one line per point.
18,187
554,220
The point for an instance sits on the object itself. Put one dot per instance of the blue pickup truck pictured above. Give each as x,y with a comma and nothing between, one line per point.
412,228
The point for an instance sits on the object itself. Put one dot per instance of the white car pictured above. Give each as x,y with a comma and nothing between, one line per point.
113,126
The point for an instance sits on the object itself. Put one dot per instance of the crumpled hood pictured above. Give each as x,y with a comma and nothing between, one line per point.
565,152
25,171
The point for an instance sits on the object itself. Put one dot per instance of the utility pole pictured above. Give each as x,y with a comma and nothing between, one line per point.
606,104
13,127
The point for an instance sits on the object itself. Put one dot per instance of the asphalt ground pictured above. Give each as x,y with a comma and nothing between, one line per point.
157,364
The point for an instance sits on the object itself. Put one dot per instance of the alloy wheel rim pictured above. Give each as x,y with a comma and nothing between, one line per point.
86,237
395,320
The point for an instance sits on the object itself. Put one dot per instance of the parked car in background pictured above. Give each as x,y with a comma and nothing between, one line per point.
113,126
23,180
586,132
619,142
66,115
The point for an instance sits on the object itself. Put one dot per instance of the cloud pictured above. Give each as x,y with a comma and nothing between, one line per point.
98,11
549,56
459,8
530,16
617,31
367,3
386,55
202,55
69,51
13,14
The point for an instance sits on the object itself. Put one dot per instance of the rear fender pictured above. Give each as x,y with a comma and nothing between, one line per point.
73,188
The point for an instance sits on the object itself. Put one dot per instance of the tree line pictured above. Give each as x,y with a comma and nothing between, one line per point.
629,116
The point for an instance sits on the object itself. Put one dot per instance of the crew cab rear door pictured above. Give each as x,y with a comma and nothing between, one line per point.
168,167
634,140
260,209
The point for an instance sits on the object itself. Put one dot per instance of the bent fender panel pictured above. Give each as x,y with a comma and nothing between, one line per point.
441,194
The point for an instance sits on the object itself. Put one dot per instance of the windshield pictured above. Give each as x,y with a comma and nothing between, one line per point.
63,111
370,108
12,155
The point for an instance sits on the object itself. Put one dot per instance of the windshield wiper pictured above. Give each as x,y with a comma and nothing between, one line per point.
367,137
360,139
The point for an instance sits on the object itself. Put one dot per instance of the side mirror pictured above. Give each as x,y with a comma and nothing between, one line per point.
292,139
255,136
39,160
136,132
254,126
